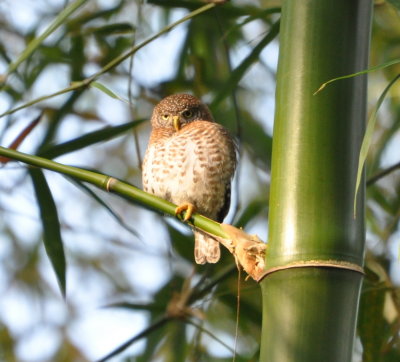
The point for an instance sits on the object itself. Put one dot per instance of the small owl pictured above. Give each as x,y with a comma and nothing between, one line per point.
190,161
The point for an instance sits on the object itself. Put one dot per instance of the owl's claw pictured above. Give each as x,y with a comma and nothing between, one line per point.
188,207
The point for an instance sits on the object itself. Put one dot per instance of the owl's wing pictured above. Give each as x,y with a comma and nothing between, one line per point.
227,202
233,151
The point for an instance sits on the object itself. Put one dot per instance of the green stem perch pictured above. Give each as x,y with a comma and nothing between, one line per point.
111,184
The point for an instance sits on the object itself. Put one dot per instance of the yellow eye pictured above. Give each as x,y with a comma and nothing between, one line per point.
187,114
165,117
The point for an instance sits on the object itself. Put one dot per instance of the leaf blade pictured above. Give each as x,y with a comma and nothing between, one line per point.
51,226
372,69
108,91
89,139
245,65
366,143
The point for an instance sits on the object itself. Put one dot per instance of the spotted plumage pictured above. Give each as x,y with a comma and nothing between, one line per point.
190,160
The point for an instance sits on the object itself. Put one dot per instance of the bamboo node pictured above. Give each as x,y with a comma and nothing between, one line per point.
330,263
110,183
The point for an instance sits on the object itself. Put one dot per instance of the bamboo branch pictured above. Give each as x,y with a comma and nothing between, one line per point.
110,184
248,250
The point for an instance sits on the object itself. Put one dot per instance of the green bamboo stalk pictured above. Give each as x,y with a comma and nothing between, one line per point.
309,311
111,184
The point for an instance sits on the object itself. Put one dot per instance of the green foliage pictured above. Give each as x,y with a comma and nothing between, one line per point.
76,69
37,41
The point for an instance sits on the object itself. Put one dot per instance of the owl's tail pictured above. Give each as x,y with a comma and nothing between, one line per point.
206,249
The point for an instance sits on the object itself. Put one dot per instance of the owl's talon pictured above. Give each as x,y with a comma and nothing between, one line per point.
188,207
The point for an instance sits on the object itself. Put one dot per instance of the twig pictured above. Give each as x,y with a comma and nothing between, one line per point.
382,173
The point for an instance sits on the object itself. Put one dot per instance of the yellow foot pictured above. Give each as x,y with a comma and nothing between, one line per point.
188,207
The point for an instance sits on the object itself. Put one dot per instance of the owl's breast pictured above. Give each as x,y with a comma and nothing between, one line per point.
168,168
193,165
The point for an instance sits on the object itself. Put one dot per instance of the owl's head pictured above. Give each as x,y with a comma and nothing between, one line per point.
178,110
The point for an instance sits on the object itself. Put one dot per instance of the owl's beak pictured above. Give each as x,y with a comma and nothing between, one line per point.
176,123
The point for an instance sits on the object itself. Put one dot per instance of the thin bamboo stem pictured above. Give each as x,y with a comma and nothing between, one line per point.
111,184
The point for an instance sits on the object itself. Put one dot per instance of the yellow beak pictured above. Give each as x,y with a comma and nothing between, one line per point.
176,123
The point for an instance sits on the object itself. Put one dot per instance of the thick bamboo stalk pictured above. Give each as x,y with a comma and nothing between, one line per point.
309,310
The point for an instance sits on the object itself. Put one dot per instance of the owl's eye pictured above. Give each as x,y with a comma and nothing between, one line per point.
187,114
165,117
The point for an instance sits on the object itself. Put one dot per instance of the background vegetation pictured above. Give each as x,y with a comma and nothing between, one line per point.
129,269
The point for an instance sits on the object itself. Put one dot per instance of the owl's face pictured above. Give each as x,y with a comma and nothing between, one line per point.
178,110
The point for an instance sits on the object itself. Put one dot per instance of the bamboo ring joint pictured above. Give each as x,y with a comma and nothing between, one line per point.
110,182
315,263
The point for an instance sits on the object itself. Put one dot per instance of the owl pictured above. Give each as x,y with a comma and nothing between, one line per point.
190,161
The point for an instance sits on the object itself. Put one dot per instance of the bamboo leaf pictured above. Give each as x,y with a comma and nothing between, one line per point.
89,139
51,226
372,69
151,307
366,143
262,15
240,71
21,136
86,17
111,29
373,328
108,91
257,140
